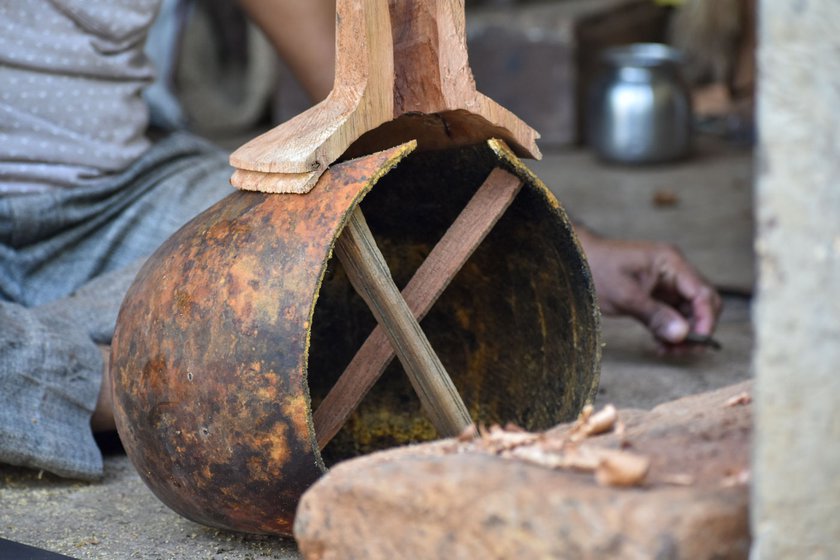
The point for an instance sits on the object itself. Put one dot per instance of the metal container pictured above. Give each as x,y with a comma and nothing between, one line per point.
640,108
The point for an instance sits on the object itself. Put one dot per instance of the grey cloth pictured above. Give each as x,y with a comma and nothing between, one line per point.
66,259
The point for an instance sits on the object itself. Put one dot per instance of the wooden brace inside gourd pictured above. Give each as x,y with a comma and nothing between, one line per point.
513,328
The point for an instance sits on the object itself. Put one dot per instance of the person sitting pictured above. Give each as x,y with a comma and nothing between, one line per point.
86,195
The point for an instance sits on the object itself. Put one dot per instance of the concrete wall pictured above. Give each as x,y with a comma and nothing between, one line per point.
796,496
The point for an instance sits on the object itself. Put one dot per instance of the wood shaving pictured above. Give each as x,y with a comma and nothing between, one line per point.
665,198
511,427
469,433
589,424
537,456
739,399
603,421
740,478
555,451
678,479
620,430
583,458
620,468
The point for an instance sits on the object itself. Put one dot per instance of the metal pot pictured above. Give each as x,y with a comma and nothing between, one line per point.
640,108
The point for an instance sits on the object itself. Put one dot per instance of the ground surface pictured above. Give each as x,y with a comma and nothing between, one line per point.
707,211
703,205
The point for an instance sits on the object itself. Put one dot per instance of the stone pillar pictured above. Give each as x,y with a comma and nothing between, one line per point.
796,460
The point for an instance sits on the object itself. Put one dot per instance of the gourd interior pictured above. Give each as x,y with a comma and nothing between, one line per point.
517,328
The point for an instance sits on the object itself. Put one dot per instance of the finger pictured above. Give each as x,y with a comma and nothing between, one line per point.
665,322
706,307
705,302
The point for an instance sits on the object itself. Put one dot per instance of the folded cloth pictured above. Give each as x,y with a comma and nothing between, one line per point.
50,377
66,259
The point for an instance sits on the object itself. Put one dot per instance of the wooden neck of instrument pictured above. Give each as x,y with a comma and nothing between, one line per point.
431,67
412,51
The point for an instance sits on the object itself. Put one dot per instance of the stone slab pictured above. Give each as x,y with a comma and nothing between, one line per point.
444,500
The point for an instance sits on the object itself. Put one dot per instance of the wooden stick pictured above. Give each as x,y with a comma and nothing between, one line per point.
368,272
291,157
429,281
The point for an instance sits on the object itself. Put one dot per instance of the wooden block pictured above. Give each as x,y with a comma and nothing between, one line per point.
394,59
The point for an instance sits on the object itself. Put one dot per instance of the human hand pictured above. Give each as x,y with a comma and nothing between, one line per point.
654,283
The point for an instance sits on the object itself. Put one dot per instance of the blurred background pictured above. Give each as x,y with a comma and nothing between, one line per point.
219,76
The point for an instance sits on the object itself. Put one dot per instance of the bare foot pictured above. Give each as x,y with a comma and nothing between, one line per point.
103,416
